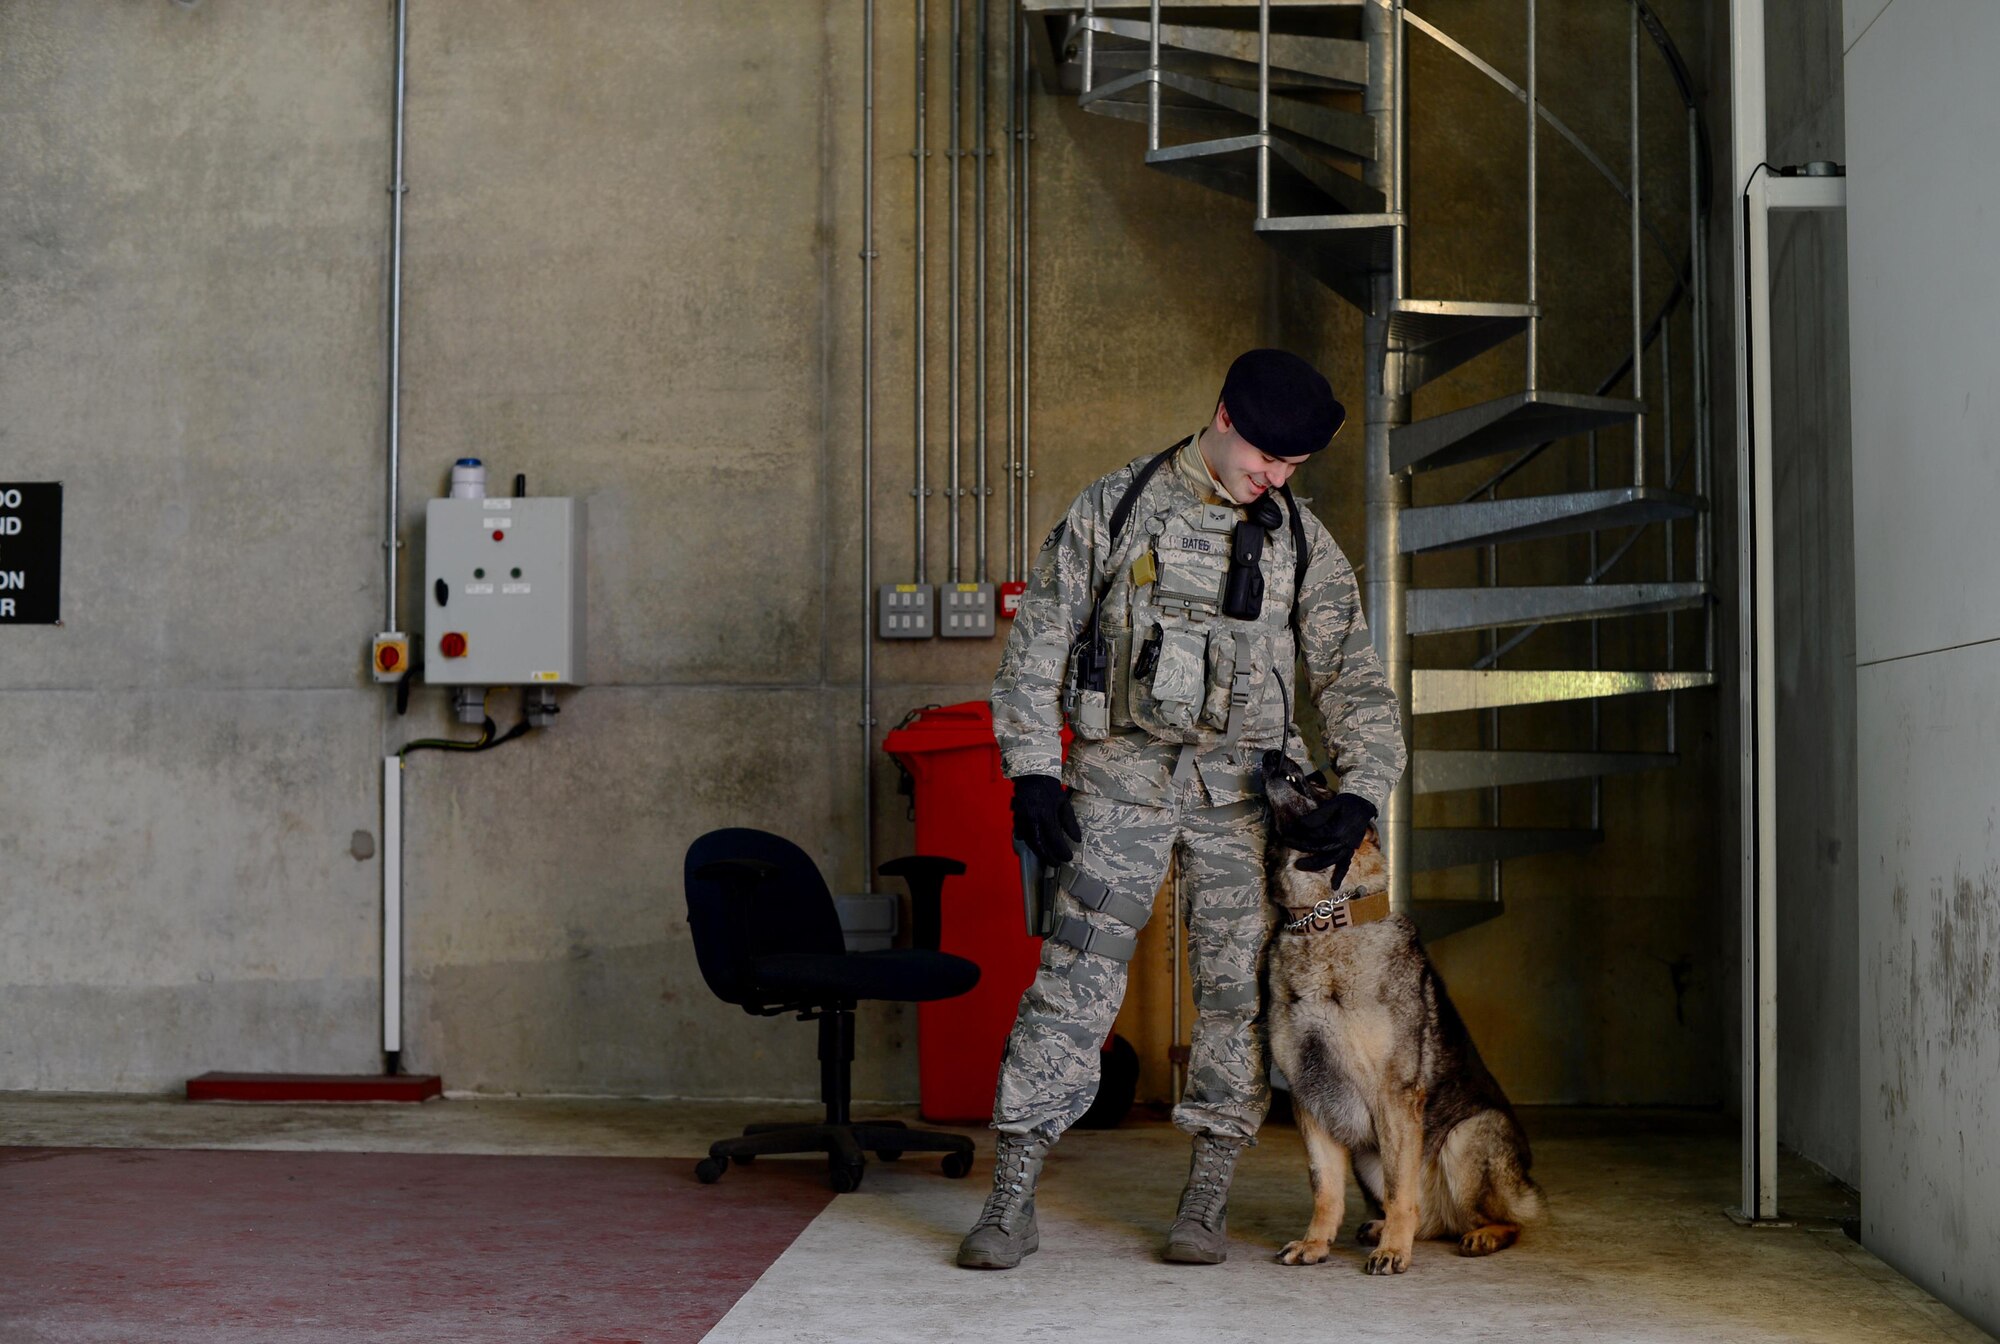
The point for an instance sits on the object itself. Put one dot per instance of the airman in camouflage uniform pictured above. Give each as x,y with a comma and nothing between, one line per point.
1166,764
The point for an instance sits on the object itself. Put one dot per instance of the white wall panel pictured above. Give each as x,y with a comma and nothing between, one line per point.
1930,972
1923,116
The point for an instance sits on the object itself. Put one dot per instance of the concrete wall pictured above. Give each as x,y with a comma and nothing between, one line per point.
1814,515
1923,287
599,296
632,274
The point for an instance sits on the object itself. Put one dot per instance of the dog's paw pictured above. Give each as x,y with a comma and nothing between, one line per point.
1305,1252
1369,1233
1486,1240
1387,1260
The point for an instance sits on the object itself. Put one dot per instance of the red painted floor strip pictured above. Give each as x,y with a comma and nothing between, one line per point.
314,1087
160,1245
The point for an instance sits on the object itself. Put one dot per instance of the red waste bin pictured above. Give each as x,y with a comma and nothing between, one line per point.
962,813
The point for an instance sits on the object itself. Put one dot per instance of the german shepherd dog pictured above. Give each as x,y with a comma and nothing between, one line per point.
1384,1075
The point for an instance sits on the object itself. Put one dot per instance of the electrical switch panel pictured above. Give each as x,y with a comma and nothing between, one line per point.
503,592
906,611
968,611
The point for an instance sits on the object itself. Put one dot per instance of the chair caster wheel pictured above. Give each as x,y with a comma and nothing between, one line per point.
844,1177
957,1165
709,1170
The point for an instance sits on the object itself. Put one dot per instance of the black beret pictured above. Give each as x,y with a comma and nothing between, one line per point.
1280,404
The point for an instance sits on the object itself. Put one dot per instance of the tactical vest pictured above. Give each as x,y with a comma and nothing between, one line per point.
1180,667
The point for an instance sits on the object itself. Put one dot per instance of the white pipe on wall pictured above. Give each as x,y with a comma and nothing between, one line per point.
392,908
1755,191
1754,649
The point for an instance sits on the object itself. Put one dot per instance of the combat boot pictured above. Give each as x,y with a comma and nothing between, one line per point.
1006,1230
1200,1233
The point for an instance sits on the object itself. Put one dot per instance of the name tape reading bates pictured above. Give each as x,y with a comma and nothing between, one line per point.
31,554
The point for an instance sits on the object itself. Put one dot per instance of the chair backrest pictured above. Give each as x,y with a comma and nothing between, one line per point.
791,912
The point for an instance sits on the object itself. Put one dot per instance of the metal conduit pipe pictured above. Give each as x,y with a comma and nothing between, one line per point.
980,489
1666,471
1026,465
920,491
867,444
1534,264
1698,250
1638,310
397,190
952,156
1013,570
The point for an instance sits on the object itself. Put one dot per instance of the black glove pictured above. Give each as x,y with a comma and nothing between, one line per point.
1043,816
1332,832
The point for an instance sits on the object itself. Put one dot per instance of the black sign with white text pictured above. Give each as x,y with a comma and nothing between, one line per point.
31,554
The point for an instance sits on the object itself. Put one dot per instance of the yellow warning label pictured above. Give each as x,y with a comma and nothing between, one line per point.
547,676
968,587
1144,571
906,587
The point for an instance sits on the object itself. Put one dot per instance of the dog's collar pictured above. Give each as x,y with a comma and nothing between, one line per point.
1340,912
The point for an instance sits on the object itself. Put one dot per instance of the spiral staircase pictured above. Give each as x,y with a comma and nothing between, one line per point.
1271,116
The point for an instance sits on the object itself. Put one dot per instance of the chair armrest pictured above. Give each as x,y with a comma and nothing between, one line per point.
925,875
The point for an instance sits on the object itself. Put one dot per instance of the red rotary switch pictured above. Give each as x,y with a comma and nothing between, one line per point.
388,658
452,645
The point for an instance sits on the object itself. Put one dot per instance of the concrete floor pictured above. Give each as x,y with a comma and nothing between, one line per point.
1637,1246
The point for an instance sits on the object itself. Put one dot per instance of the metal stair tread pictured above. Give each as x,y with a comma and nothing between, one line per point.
1125,98
1519,420
1333,62
1450,771
1482,522
1437,847
1441,919
1340,251
1298,181
1434,611
1348,133
1451,690
1435,336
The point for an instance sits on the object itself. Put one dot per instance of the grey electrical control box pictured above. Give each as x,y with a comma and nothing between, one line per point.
503,592
906,611
966,611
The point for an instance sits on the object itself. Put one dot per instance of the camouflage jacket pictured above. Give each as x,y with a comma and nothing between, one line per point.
1135,762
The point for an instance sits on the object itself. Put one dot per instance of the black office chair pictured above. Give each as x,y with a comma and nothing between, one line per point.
768,939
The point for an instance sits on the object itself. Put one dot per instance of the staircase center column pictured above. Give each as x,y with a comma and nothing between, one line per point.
1388,575
1388,405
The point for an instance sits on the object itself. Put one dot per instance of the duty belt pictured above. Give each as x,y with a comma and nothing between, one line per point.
1341,912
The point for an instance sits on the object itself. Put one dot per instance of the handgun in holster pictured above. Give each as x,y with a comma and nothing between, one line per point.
1038,892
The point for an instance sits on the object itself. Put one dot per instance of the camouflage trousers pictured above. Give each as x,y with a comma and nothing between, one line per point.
1049,1074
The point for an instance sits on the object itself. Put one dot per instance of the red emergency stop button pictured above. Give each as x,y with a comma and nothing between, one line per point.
499,536
388,658
452,645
